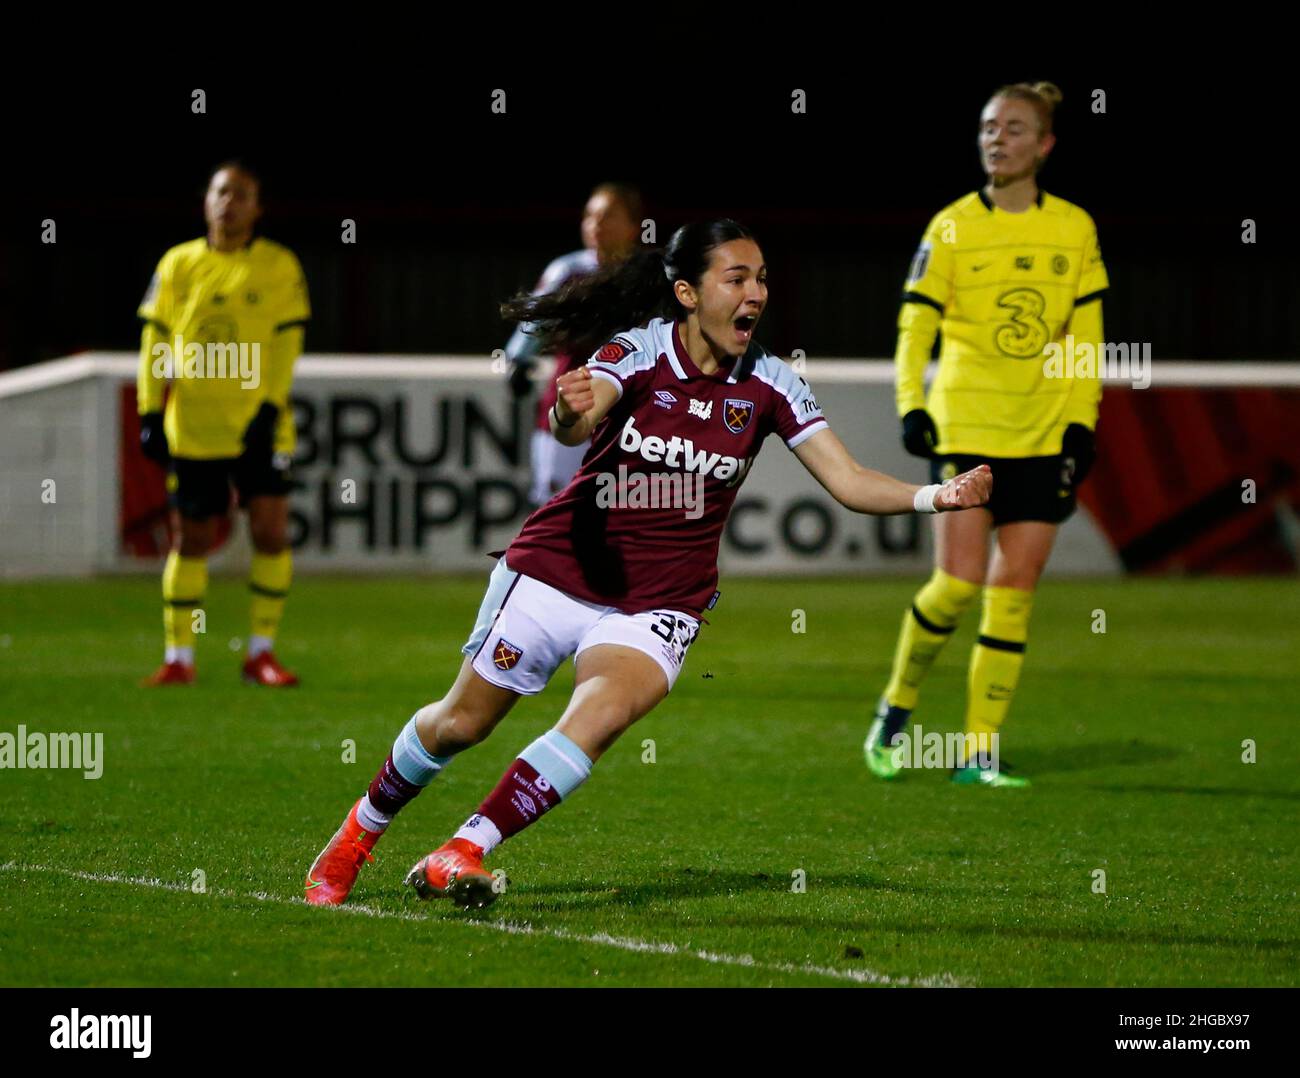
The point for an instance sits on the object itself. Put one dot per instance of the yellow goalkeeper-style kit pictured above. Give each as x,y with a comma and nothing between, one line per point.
232,326
1000,288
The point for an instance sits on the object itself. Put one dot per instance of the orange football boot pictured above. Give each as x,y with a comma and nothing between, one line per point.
172,673
332,874
455,869
265,670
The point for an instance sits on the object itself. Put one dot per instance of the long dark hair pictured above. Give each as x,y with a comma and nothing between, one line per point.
583,314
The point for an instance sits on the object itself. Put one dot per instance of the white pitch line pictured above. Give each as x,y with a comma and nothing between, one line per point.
602,939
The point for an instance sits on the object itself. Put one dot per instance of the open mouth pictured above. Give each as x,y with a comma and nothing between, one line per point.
744,326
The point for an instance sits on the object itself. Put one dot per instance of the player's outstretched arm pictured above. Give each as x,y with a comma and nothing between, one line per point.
867,491
582,403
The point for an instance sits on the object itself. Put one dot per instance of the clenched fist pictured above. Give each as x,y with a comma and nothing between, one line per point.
575,396
965,491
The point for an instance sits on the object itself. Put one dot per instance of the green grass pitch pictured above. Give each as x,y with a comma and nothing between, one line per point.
680,871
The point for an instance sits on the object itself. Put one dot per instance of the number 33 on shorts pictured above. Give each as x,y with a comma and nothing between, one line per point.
677,631
526,628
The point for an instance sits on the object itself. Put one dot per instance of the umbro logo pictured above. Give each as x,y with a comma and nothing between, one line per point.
664,399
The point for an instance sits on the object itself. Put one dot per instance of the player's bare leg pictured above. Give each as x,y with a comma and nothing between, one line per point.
184,583
961,542
1021,553
269,579
614,687
1019,557
464,717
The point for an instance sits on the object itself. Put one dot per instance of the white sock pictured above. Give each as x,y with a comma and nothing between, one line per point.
481,831
178,654
258,644
370,817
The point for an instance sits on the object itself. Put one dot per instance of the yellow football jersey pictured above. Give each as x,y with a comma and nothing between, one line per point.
1000,288
232,323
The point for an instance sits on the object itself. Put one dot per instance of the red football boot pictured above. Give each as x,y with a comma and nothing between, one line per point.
172,673
265,670
455,869
332,874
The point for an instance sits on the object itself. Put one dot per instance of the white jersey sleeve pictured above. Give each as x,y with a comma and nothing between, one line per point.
796,414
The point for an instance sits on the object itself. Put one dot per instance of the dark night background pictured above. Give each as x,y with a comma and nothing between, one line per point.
457,207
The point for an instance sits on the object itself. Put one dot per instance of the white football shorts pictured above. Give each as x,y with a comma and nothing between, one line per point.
526,629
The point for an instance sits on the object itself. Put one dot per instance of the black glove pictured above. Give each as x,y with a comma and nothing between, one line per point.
919,433
260,435
153,442
1079,449
520,384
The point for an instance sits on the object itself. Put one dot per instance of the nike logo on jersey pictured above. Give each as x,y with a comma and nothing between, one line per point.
976,269
677,452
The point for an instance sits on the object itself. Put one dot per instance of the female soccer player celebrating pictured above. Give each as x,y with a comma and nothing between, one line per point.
242,301
687,396
1004,274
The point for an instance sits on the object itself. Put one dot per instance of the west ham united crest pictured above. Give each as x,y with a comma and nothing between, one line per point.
506,654
736,414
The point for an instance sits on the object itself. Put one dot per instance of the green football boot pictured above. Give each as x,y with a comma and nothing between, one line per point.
976,775
885,761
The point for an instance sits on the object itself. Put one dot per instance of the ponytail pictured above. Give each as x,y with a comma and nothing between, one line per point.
587,311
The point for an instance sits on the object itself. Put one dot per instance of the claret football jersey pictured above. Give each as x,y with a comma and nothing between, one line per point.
639,525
